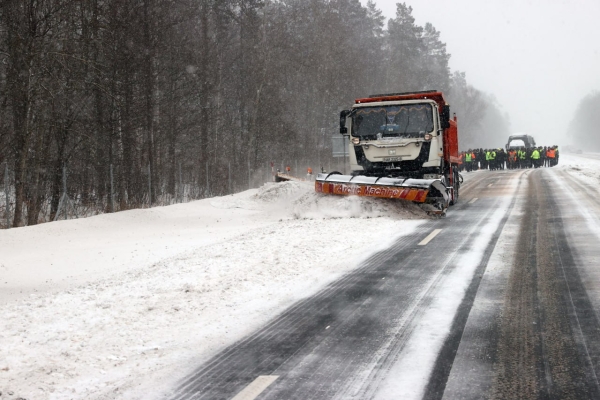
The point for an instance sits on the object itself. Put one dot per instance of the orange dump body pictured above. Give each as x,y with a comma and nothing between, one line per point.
438,97
451,143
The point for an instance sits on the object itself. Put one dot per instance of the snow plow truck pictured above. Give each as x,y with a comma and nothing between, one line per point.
401,146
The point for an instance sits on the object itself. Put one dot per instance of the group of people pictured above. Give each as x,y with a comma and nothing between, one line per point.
515,157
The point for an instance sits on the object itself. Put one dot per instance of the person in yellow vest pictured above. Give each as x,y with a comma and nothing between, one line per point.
522,154
469,160
535,158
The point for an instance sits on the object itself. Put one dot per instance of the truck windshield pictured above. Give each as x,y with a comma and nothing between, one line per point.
404,120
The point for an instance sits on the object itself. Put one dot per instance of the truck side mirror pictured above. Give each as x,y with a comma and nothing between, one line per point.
445,117
343,115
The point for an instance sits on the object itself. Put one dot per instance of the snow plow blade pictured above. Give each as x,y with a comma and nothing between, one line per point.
432,194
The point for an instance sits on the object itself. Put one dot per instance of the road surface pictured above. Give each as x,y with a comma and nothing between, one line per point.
511,272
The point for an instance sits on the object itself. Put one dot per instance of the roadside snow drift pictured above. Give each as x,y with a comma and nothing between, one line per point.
123,305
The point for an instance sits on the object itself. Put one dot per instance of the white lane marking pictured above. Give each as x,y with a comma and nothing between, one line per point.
490,184
430,237
327,327
257,386
473,201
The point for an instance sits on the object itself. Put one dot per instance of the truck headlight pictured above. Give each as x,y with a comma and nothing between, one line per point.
355,140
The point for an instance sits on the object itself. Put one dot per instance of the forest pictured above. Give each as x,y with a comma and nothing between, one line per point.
130,104
583,130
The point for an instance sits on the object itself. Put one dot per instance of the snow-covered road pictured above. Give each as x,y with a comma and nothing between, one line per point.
126,305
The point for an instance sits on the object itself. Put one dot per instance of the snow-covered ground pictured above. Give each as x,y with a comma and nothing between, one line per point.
124,305
585,166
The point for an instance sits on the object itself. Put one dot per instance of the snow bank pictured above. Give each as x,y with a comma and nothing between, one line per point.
173,285
300,199
315,205
585,166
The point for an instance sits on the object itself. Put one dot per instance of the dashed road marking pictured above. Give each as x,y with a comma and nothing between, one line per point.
473,201
490,184
257,386
430,237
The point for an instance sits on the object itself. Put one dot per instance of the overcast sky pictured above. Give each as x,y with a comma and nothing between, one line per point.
538,57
